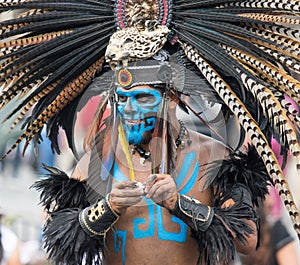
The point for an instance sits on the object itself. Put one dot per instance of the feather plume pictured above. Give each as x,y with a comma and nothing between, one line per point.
270,105
43,51
256,136
63,99
272,18
28,106
266,4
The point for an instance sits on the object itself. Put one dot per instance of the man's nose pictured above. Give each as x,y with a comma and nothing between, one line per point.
129,107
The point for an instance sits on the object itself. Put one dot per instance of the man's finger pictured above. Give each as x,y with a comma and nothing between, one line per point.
158,188
122,201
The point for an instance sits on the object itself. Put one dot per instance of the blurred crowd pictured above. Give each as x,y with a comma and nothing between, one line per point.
14,251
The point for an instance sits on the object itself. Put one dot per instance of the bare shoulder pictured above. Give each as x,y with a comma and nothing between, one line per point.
203,144
80,171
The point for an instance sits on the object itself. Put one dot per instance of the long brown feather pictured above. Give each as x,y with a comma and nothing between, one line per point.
271,106
255,135
13,45
272,73
271,4
271,18
63,99
31,103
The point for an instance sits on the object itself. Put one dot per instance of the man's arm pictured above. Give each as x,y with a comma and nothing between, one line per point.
15,259
220,229
252,239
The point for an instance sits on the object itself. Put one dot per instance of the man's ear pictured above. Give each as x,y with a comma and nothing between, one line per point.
174,100
172,104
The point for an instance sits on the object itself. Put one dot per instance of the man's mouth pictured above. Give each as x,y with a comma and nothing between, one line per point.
133,122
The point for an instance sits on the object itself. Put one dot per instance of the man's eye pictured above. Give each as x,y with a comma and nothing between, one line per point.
122,98
145,98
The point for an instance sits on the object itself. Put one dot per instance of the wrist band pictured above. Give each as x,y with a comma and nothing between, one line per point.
196,215
98,218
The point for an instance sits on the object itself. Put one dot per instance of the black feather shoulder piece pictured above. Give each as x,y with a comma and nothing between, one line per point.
67,243
64,239
58,191
244,168
217,244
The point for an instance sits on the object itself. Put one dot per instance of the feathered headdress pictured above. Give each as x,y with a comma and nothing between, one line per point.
247,51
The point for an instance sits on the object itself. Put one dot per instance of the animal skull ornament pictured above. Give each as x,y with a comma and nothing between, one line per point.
132,44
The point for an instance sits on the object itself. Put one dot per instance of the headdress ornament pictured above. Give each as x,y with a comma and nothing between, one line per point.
245,50
143,73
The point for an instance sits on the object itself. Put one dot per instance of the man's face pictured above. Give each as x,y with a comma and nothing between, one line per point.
137,109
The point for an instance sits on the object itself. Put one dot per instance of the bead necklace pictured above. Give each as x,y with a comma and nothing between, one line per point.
143,154
183,133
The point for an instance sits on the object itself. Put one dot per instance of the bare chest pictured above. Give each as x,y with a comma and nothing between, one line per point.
149,234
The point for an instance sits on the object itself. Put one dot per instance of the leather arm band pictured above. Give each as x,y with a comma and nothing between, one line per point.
195,214
240,193
98,218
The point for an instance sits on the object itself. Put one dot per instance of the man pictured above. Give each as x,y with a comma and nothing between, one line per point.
147,216
62,50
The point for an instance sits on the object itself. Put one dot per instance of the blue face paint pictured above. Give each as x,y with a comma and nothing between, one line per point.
137,110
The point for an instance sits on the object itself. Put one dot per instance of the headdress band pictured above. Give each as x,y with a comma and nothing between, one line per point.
144,73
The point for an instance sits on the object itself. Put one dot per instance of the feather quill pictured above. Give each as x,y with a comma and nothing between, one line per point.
125,148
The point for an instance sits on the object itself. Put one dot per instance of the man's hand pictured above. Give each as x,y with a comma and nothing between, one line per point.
125,194
162,190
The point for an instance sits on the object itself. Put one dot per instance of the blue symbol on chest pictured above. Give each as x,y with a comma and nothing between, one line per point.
156,218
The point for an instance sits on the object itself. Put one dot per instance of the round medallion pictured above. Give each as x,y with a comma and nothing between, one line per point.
124,78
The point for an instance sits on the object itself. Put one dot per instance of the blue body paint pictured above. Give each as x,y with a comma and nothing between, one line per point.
172,236
149,232
155,216
120,243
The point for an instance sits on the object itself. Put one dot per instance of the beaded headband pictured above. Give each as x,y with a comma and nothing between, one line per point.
142,73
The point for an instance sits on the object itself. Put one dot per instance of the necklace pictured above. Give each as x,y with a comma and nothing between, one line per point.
183,133
143,154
